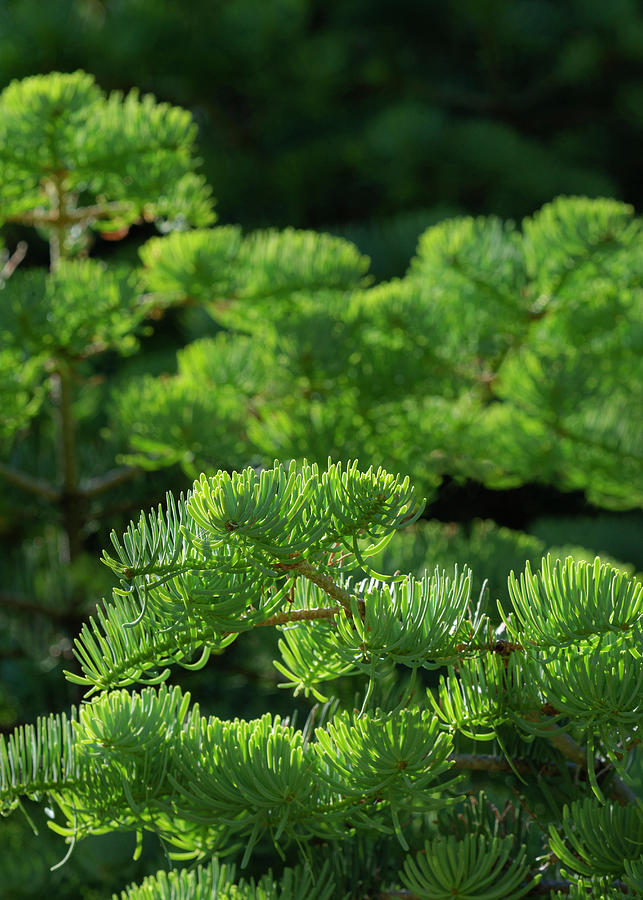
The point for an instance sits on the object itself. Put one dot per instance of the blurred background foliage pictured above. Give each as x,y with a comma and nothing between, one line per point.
366,119
364,116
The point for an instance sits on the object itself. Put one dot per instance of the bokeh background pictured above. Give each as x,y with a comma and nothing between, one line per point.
366,115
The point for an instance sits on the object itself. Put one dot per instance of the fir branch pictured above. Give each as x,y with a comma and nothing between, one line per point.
585,439
571,750
70,497
301,615
101,483
505,300
559,739
18,602
328,586
57,198
607,243
37,486
83,215
486,762
590,441
67,429
14,261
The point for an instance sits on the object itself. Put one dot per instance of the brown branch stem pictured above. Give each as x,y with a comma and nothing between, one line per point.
94,486
37,486
82,215
538,890
299,615
57,198
477,762
571,750
71,499
14,261
560,740
15,601
328,586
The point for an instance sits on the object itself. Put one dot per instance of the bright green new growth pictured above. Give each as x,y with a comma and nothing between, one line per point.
503,355
228,558
473,869
276,548
63,141
75,163
216,882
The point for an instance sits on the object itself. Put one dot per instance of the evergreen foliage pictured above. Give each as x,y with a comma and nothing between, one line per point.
492,552
507,355
276,549
502,356
126,157
75,163
216,883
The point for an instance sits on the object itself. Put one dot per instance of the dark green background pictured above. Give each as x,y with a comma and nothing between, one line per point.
318,113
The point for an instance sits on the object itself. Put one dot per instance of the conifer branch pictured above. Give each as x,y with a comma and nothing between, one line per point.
67,427
83,215
114,477
491,289
302,615
589,441
14,261
37,486
70,497
328,586
560,739
19,602
483,762
255,549
571,750
57,198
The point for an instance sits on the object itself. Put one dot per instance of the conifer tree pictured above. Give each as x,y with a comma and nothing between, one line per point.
76,162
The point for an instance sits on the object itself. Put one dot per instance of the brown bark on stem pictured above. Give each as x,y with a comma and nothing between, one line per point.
71,499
